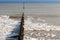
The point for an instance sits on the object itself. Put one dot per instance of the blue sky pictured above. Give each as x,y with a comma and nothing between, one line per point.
20,1
10,1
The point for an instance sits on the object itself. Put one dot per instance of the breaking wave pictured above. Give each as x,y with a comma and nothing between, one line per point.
32,23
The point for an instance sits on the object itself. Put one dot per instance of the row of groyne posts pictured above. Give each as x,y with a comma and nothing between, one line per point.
21,31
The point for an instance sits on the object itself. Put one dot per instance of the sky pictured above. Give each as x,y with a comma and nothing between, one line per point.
20,1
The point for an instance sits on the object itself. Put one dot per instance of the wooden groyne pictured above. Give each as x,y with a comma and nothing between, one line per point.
21,33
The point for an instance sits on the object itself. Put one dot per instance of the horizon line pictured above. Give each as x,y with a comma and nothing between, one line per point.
28,2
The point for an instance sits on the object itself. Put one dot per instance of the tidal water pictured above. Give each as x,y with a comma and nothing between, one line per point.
47,11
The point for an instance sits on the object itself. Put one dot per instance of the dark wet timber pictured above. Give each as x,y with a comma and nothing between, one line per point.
21,33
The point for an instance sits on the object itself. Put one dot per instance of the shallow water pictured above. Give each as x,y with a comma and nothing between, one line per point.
9,28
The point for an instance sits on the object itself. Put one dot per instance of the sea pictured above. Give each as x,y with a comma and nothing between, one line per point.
47,11
50,12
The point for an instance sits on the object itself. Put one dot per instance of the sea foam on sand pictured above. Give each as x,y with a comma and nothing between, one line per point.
6,26
38,24
39,29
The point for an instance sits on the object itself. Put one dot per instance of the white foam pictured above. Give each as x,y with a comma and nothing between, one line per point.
38,24
6,26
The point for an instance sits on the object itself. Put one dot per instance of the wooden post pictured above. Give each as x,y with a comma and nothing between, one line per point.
21,34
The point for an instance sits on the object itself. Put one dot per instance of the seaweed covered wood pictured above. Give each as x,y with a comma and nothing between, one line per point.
21,33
